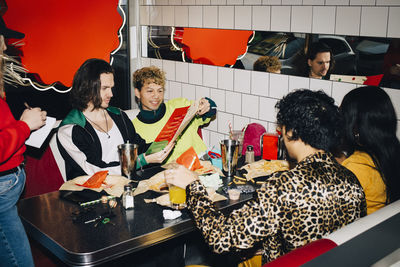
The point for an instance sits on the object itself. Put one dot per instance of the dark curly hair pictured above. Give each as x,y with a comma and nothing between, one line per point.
86,84
312,116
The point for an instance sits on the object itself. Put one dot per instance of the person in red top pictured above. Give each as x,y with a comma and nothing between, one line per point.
14,245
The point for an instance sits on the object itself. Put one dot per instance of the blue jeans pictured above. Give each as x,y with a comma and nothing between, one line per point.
14,244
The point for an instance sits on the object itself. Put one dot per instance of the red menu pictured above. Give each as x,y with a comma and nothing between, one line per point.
172,125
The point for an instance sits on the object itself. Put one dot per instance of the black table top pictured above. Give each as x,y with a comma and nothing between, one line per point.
48,219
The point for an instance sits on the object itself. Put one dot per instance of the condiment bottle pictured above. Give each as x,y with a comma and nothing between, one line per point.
127,197
249,154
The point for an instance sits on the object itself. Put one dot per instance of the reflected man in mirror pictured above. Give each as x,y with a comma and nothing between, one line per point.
320,61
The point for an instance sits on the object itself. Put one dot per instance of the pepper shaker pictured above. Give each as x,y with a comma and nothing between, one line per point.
249,154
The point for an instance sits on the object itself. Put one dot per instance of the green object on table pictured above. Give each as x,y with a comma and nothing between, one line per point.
156,147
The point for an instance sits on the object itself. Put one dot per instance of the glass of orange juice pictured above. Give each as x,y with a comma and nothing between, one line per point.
177,196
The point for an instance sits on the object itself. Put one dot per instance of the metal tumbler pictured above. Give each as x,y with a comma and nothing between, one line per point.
127,158
230,154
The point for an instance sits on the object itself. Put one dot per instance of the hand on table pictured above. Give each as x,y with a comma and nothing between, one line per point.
34,117
180,176
204,107
161,155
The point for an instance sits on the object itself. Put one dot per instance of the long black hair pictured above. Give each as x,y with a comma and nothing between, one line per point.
370,125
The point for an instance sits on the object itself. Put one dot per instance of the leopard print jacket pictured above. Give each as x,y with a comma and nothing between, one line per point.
293,208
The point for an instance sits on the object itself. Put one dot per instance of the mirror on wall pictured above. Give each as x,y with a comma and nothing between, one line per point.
355,59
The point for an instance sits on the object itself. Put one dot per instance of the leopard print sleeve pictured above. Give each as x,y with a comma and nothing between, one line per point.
242,228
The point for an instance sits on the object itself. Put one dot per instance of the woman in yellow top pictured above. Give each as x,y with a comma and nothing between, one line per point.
371,144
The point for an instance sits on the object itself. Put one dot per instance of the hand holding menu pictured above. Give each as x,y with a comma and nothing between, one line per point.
37,137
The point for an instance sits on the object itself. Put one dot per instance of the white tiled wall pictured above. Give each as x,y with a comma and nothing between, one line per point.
244,96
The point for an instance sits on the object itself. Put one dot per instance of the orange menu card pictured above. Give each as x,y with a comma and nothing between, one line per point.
172,125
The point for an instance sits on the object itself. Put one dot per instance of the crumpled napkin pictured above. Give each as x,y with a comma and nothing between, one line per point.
114,184
211,181
171,214
163,200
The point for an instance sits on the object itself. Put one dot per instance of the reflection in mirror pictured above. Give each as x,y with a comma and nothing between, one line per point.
355,59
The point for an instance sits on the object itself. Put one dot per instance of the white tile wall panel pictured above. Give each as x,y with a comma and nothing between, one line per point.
272,127
155,17
292,2
167,91
259,83
324,19
213,125
145,62
156,62
250,106
189,91
243,17
278,85
337,2
242,80
339,90
161,2
233,103
374,21
263,123
267,109
234,2
252,2
226,17
394,22
196,74
169,69
218,2
394,95
144,15
301,19
261,18
203,2
214,139
168,16
314,2
202,91
280,18
210,16
218,96
223,121
188,2
387,2
175,2
348,20
271,2
296,82
196,16
362,2
240,122
175,89
225,78
182,72
210,76
149,2
319,84
205,136
181,16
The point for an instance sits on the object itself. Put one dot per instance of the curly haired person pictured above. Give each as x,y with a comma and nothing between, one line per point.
294,207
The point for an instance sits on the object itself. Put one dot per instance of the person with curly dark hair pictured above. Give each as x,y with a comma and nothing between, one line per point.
371,144
268,64
89,135
294,207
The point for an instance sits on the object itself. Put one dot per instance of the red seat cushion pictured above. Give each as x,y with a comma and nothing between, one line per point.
303,254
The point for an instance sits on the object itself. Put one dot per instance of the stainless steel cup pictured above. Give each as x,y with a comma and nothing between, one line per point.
230,154
127,158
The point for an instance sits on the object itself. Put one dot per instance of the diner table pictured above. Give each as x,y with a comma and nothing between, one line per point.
48,219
